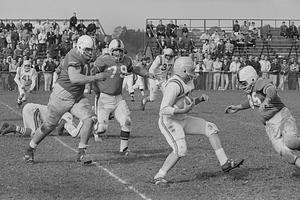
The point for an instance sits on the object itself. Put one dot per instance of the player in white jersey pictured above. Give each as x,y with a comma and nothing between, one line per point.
33,116
25,79
162,66
174,122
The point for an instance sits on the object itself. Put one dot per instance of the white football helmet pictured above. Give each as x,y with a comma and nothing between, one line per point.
247,77
168,53
85,45
184,67
117,49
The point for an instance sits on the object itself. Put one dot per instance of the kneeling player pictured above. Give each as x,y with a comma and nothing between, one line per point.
33,116
25,79
279,123
174,123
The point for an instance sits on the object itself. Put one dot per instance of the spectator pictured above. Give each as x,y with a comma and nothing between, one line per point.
10,26
42,38
51,37
25,36
73,21
91,28
208,63
14,39
206,47
215,36
293,31
12,73
28,26
233,68
160,29
252,26
171,29
33,42
2,26
225,77
18,52
205,36
173,45
236,27
55,26
191,45
217,67
47,26
3,42
19,25
244,28
220,48
284,30
292,75
5,74
48,68
182,46
37,27
81,28
265,66
284,69
228,48
64,26
162,44
150,29
274,71
185,31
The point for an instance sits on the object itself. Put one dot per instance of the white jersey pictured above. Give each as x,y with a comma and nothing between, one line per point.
162,67
175,89
26,78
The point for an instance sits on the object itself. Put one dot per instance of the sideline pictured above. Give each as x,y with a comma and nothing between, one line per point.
127,185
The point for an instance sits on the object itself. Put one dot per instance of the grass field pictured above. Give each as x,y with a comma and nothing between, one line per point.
56,175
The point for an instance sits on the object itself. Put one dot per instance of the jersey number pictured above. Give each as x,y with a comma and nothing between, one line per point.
114,69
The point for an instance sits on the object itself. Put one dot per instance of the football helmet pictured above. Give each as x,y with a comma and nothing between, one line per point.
184,67
85,46
247,77
168,53
27,65
116,49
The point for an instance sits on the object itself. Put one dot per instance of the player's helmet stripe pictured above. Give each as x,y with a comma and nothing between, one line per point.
118,43
180,85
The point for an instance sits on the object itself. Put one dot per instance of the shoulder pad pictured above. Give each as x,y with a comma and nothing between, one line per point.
261,83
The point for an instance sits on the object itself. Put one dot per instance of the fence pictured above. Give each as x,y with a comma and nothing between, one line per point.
204,81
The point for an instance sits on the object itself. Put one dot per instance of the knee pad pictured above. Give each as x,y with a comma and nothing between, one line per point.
181,148
211,129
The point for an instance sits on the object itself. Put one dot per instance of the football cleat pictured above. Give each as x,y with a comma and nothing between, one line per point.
231,164
3,127
161,181
83,157
125,152
9,129
29,155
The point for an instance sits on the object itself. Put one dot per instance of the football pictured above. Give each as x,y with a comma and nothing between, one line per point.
183,100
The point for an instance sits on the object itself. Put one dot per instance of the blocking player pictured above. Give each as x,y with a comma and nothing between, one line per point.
25,79
33,116
174,122
279,123
162,66
110,97
67,96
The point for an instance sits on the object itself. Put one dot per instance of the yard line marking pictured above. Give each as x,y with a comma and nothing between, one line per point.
129,186
109,172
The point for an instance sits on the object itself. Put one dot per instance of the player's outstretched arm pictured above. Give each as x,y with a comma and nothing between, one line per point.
76,77
235,108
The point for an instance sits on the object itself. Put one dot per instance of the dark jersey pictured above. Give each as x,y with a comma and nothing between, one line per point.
113,84
72,59
258,95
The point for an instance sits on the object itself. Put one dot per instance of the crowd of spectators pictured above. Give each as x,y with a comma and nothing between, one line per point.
44,43
289,32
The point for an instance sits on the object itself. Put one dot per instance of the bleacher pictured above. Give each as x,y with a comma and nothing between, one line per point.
277,46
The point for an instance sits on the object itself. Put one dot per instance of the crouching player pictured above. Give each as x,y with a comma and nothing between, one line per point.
25,79
174,123
33,116
279,123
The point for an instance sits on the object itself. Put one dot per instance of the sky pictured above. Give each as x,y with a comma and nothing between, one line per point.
133,13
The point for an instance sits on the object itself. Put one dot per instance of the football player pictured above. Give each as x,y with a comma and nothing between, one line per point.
67,96
174,122
33,116
110,98
162,66
140,83
25,79
279,123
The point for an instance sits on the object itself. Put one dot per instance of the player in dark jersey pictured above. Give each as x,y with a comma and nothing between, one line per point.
110,99
279,123
67,96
